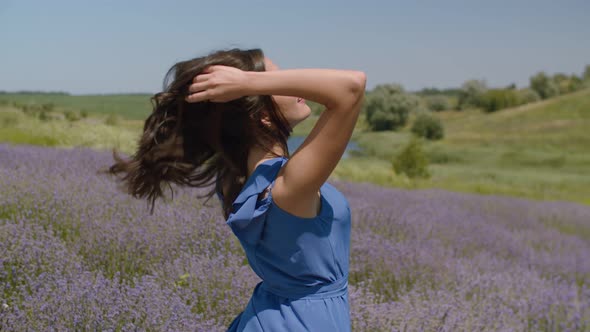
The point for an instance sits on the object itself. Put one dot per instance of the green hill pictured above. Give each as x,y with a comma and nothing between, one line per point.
539,150
560,123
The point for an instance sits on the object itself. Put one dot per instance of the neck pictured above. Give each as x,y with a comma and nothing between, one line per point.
257,155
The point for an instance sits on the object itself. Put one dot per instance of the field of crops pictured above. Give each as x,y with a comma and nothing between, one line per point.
78,254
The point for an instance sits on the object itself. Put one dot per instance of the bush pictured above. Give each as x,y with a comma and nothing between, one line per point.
428,126
40,111
72,116
10,119
31,110
576,83
438,103
567,84
43,116
527,95
113,120
381,121
84,114
47,106
412,160
50,116
470,93
544,85
497,99
570,84
387,107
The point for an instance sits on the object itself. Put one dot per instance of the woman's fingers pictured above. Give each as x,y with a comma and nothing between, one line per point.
203,84
209,69
198,90
201,78
196,97
196,87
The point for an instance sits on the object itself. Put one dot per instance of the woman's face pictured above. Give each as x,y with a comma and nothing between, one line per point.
294,109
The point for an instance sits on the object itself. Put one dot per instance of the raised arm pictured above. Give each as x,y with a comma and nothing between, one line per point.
341,92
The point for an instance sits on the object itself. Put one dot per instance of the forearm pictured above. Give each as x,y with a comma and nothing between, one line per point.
329,87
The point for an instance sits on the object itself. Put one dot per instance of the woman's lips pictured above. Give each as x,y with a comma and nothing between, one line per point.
300,100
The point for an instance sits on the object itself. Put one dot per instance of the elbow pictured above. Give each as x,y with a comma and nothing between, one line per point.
358,85
352,91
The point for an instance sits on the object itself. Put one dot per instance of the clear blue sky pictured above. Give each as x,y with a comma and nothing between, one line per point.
123,46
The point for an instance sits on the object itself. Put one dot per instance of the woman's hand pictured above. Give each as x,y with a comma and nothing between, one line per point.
218,83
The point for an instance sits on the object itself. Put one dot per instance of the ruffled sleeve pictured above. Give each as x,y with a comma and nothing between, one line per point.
248,213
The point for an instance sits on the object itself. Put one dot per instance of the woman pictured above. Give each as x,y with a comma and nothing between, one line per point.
225,119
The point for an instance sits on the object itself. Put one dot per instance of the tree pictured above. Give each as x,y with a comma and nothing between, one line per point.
527,95
586,75
428,126
567,84
497,99
544,85
387,107
471,92
575,83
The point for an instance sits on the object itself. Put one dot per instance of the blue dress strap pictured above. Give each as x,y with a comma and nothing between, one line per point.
248,213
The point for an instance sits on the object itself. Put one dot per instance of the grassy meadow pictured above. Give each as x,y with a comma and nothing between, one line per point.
539,150
131,106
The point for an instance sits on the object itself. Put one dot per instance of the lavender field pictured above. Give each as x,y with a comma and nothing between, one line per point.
78,254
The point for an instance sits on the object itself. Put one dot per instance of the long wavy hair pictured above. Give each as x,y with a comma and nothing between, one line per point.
203,143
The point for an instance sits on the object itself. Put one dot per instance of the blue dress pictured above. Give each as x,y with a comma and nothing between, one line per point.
303,262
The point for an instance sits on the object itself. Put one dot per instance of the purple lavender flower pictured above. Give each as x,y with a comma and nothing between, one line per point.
76,253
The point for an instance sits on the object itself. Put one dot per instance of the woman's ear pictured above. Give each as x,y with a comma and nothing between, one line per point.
265,119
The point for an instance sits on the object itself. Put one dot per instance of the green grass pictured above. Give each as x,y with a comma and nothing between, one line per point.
540,150
131,106
18,128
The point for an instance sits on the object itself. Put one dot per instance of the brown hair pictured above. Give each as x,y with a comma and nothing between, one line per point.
203,143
